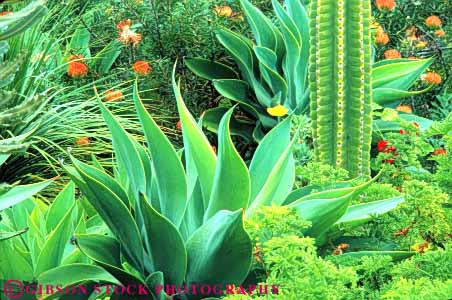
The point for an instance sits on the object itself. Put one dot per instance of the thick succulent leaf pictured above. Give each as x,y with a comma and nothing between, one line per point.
220,252
307,190
105,251
384,96
395,255
156,284
126,152
325,208
268,66
299,15
400,74
8,235
163,241
212,117
53,249
385,126
72,274
292,41
169,172
240,50
263,29
59,207
231,184
269,166
361,213
237,90
14,265
20,193
113,211
322,213
199,148
210,70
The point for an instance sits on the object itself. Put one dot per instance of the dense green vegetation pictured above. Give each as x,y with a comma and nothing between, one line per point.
205,149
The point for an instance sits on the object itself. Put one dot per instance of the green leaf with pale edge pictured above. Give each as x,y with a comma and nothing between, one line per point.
168,170
20,193
269,165
164,244
113,211
55,244
220,252
210,70
62,203
200,149
76,274
231,185
126,153
105,251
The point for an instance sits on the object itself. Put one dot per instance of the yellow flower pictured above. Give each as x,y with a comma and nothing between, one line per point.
405,108
277,111
421,248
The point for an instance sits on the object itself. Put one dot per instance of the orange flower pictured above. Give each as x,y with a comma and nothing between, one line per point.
126,35
392,53
385,4
431,78
440,33
433,21
76,69
381,38
411,33
142,67
82,141
223,11
5,13
112,95
413,57
440,151
179,125
214,149
405,108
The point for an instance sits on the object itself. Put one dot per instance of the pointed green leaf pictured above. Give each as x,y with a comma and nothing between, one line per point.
210,70
361,213
73,274
231,185
269,165
163,241
204,157
52,251
168,170
114,213
20,193
220,252
126,153
62,203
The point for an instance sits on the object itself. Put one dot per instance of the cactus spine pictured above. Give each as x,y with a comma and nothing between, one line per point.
340,83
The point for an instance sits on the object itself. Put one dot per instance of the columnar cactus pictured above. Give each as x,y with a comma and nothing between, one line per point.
340,83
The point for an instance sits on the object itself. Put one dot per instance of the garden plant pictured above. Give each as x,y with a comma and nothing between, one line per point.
237,149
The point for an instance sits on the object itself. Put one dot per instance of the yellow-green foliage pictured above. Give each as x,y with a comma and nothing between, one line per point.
420,289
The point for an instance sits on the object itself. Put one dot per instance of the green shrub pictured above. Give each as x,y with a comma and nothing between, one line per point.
433,264
420,289
292,263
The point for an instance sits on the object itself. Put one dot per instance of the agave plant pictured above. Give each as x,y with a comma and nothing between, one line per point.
273,69
177,217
